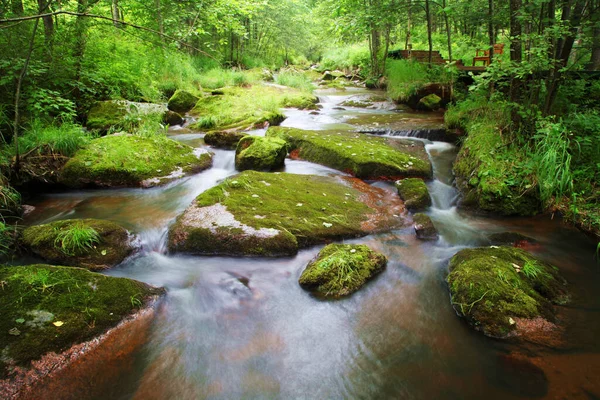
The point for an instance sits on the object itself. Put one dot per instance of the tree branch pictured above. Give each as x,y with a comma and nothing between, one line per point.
76,14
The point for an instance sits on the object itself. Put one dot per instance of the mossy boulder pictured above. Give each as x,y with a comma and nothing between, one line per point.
431,102
260,153
365,157
243,108
88,243
274,214
424,228
414,193
341,269
223,139
172,118
182,101
51,308
132,161
115,114
499,289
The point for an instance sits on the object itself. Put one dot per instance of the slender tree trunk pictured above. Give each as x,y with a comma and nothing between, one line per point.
18,97
491,35
448,31
516,49
115,13
594,64
428,16
43,6
408,25
159,18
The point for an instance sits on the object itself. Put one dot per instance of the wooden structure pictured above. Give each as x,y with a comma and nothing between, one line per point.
485,54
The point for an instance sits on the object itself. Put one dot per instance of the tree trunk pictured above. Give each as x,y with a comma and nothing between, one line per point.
159,18
81,25
43,6
408,25
516,49
115,13
428,16
491,35
448,31
16,6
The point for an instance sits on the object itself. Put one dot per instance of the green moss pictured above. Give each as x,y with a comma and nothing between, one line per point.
339,269
493,175
122,115
260,153
131,161
240,108
357,103
112,244
33,297
491,286
313,209
223,139
365,157
182,101
431,102
414,193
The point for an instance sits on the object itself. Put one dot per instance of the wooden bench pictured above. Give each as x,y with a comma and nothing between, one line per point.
485,57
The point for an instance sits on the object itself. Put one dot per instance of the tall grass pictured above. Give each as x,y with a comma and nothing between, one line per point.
295,79
64,139
349,57
76,239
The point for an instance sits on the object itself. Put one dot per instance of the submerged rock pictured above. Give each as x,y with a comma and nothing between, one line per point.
365,157
505,291
414,193
341,269
88,243
132,161
182,101
274,214
510,238
223,139
53,309
105,115
260,153
424,228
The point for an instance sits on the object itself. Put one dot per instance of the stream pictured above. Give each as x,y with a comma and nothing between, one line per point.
243,328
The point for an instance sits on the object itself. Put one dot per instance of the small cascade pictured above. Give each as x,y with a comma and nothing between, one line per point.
433,134
154,240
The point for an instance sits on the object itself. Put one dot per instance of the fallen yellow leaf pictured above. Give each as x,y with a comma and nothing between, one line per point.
58,323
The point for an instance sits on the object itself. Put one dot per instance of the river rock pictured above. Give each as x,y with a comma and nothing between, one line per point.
182,101
431,102
61,242
444,92
274,214
172,118
341,269
365,157
57,311
260,153
505,291
224,139
332,75
414,193
115,114
424,228
132,161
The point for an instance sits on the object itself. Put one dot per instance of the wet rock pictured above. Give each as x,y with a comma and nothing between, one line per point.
132,161
444,92
88,243
260,153
414,193
224,139
314,113
424,228
505,291
339,108
172,118
115,114
357,103
274,214
431,102
340,270
77,306
182,101
332,75
510,239
365,157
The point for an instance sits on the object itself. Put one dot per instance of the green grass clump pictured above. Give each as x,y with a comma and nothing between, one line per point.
64,139
492,285
242,108
295,79
217,78
365,157
348,58
129,160
77,239
339,270
34,297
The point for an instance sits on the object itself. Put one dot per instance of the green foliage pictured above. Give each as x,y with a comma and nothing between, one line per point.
7,240
63,139
76,239
405,77
295,79
349,57
218,78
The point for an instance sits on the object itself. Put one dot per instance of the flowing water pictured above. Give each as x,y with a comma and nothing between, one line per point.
243,328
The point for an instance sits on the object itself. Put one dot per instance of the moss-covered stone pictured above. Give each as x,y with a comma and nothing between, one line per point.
172,118
424,228
224,139
132,161
260,153
414,193
182,101
112,246
357,103
242,108
273,214
365,157
493,288
48,309
341,269
105,115
489,173
431,102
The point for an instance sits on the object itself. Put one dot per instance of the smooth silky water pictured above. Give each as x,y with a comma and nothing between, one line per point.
243,328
